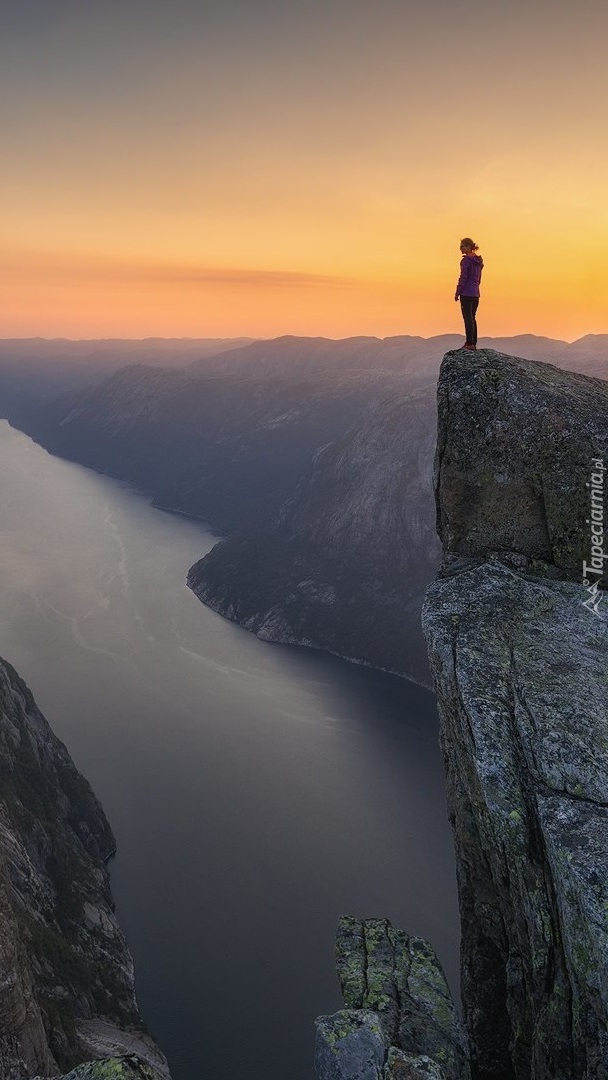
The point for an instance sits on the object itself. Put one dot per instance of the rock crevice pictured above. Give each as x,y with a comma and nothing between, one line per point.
399,1022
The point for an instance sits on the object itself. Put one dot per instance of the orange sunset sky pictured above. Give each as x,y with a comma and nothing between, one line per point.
259,168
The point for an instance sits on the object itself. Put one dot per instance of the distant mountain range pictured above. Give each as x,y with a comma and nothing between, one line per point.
111,352
312,457
407,355
34,369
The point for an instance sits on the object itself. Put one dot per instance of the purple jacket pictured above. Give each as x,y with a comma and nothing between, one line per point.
470,275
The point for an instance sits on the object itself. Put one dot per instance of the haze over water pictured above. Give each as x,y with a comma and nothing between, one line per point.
256,791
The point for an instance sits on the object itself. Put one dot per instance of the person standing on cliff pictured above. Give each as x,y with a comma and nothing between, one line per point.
467,289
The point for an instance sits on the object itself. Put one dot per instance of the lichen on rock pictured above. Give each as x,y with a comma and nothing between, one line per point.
393,984
129,1067
350,1045
400,1066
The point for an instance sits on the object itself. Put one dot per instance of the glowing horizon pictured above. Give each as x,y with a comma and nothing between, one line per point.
302,169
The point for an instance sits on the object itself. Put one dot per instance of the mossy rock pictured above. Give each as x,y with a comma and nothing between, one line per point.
129,1067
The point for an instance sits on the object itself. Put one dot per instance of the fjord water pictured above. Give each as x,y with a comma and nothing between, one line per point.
256,791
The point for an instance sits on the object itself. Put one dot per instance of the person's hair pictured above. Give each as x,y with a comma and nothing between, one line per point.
467,242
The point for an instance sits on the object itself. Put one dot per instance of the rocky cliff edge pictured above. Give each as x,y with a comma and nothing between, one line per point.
66,975
517,632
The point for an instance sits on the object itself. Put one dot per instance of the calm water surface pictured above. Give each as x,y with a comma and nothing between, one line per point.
256,791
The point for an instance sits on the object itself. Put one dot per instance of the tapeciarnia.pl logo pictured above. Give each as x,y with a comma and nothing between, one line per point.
594,570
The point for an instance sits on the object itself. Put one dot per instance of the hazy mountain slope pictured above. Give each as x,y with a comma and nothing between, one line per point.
229,437
35,370
406,355
411,355
108,353
226,446
345,565
588,355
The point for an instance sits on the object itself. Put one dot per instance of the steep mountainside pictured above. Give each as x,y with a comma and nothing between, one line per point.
345,564
518,645
66,991
227,447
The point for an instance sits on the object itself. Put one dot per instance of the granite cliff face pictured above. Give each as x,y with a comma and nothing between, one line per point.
518,646
66,989
515,450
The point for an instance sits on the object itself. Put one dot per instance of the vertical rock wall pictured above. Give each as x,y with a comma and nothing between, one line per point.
520,665
66,983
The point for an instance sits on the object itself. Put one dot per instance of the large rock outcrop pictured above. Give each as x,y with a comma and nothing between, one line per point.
66,984
399,1022
516,446
518,646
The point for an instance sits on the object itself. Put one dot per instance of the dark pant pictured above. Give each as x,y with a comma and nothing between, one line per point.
469,307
